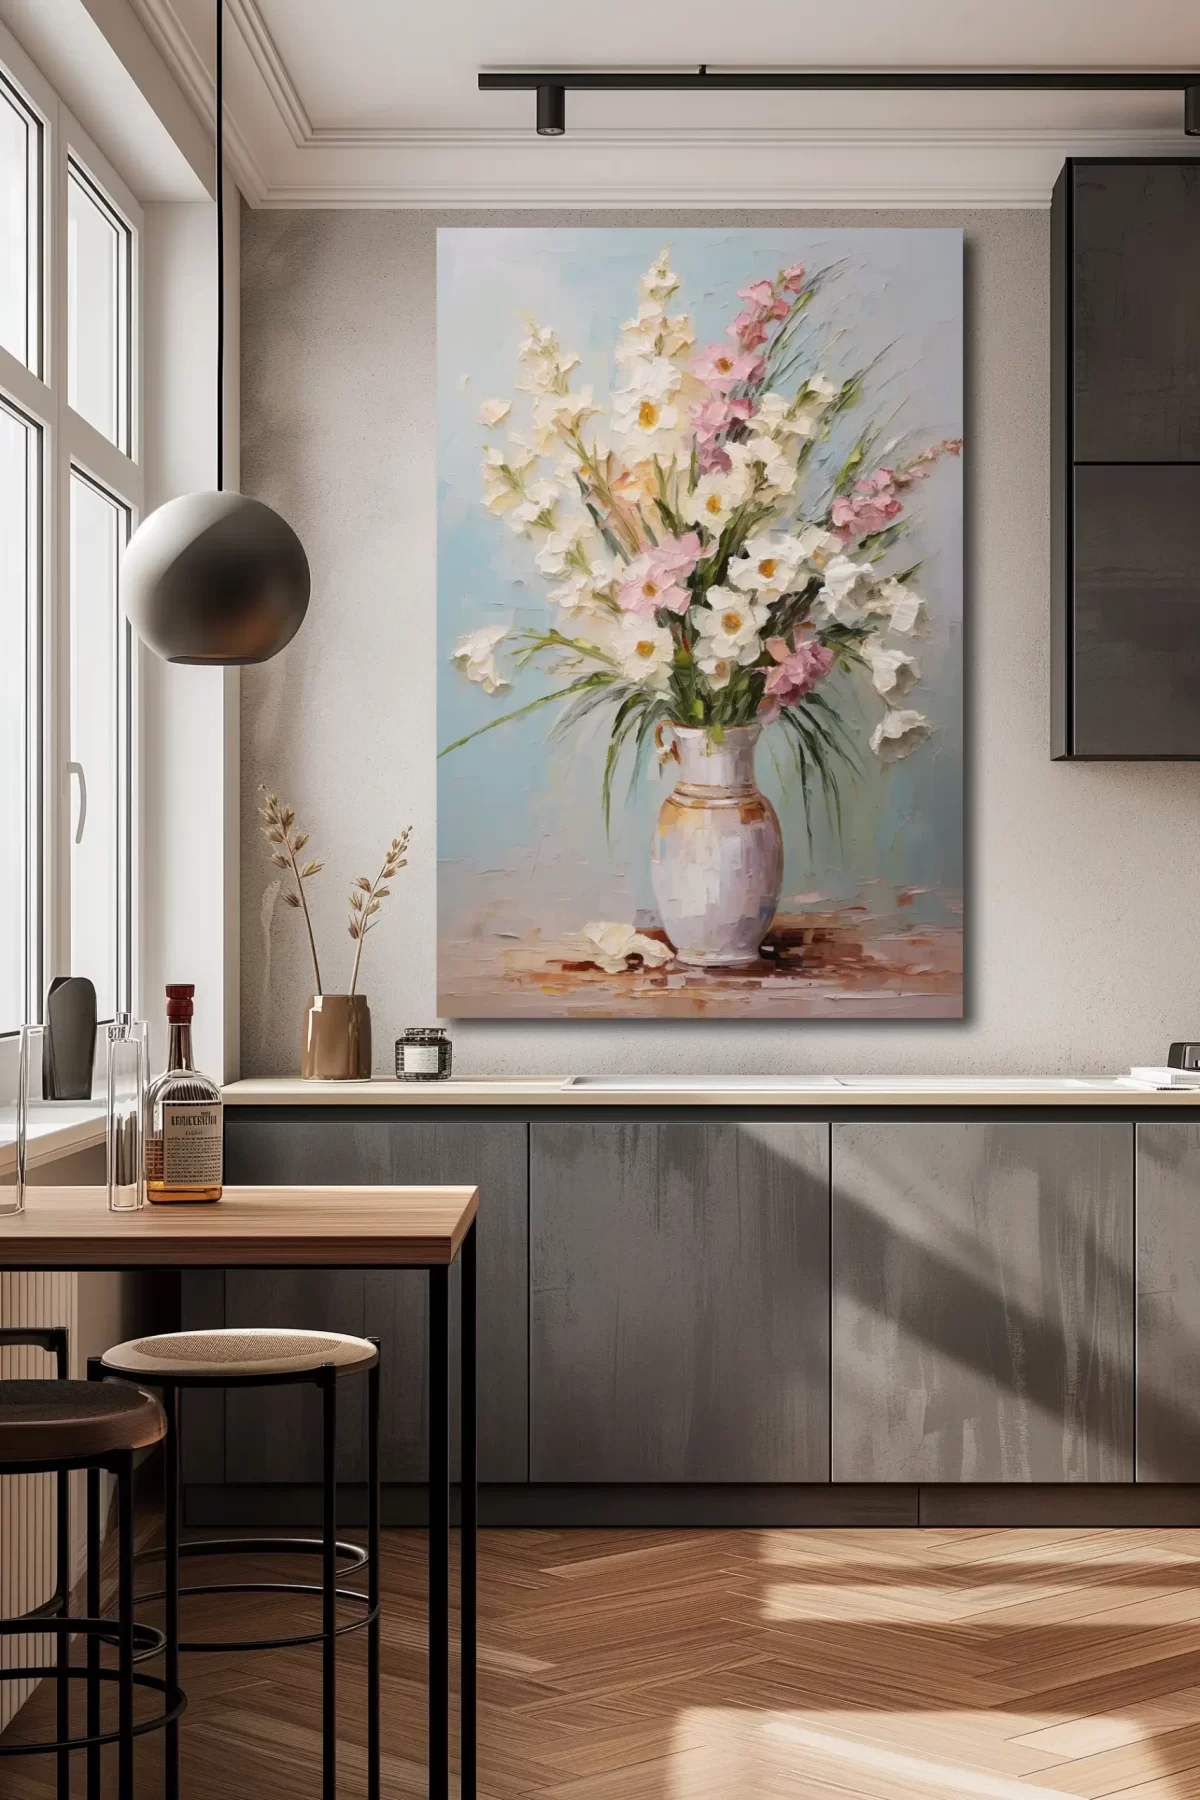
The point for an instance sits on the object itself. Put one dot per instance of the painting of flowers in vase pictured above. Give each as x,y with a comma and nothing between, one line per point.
700,623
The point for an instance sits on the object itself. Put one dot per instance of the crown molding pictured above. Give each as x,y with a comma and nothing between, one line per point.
293,163
194,77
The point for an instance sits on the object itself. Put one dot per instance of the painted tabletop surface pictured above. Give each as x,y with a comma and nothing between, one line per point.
266,1227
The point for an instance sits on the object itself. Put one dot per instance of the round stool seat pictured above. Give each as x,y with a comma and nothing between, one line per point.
239,1351
62,1421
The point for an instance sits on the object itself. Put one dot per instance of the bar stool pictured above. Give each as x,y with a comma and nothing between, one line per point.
54,1427
268,1357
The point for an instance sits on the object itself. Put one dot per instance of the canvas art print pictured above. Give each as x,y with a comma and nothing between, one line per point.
700,623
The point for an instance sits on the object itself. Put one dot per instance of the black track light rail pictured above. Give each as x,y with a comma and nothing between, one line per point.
868,81
551,87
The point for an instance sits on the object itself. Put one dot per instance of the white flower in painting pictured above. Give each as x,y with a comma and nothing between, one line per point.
560,415
906,612
894,672
786,420
847,593
717,669
494,412
536,510
645,412
660,280
610,945
504,477
644,651
545,365
717,494
769,472
770,565
653,334
899,734
817,545
582,592
475,654
575,546
729,626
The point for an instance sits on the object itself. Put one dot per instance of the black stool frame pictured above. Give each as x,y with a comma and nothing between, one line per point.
134,1643
336,1558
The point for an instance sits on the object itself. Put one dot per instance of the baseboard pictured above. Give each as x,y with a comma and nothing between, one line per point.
296,1506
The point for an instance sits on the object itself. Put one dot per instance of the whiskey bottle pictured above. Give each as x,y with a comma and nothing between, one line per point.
183,1116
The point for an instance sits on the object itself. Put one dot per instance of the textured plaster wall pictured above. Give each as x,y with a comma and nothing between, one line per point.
1083,947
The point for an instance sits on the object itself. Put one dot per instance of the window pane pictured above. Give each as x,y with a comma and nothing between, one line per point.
97,309
98,532
18,556
20,166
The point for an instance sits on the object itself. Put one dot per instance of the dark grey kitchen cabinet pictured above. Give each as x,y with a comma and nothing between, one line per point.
1125,460
1168,1302
679,1301
274,1435
982,1301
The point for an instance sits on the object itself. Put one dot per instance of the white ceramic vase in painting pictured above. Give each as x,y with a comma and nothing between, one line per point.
717,858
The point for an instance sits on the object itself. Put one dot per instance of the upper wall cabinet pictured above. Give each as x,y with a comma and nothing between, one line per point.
1126,460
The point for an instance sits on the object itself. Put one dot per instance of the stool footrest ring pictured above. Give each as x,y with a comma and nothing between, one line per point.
174,1703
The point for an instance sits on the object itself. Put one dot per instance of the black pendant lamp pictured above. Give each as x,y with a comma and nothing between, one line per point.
215,578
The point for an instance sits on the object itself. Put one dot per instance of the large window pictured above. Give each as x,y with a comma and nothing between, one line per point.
70,494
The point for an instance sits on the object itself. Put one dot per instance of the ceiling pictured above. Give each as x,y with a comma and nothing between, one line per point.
369,102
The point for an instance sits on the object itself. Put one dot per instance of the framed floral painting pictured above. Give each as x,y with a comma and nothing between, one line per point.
700,623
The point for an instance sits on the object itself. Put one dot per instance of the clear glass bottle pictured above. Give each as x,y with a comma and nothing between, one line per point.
126,1088
183,1116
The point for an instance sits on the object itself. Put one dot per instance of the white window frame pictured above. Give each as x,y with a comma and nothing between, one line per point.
68,442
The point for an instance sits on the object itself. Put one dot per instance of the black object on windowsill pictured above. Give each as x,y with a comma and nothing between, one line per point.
70,1043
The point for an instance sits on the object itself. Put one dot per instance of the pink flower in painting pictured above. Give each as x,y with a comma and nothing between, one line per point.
793,278
654,579
870,508
717,415
748,329
722,368
920,466
710,457
796,674
757,293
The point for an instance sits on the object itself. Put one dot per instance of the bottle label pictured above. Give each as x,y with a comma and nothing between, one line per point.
191,1143
421,1059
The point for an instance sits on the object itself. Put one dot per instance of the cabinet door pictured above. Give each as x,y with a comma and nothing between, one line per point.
1136,266
1137,611
1168,1302
274,1435
982,1301
679,1302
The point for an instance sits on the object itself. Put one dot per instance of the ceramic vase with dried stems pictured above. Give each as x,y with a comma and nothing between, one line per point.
337,1027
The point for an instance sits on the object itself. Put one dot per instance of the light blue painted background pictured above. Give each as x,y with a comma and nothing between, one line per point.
520,833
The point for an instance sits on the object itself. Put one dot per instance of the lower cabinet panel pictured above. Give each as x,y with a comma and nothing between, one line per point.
679,1302
982,1301
273,1435
1168,1322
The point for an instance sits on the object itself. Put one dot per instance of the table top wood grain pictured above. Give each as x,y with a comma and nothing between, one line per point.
249,1227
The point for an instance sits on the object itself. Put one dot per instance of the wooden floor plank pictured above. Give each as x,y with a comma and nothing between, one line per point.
739,1665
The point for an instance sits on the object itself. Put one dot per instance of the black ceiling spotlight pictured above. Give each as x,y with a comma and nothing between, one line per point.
551,111
551,86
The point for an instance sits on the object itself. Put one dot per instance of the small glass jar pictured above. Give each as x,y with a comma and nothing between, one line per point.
423,1053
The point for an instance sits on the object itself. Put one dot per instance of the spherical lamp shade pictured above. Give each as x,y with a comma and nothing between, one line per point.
215,578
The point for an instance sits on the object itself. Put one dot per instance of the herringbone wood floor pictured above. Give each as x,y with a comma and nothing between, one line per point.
899,1665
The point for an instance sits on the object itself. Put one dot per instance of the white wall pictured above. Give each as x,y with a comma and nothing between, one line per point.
1083,939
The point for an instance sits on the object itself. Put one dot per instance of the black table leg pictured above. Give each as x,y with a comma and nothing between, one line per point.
470,1514
62,1655
124,1470
328,1383
93,1610
170,1397
373,1745
439,1535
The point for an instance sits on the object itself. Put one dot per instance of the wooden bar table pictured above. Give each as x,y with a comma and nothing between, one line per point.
317,1228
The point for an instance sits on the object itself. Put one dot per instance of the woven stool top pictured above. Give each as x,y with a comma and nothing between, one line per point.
48,1421
240,1351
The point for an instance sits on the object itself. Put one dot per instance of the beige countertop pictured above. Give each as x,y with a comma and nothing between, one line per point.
732,1091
